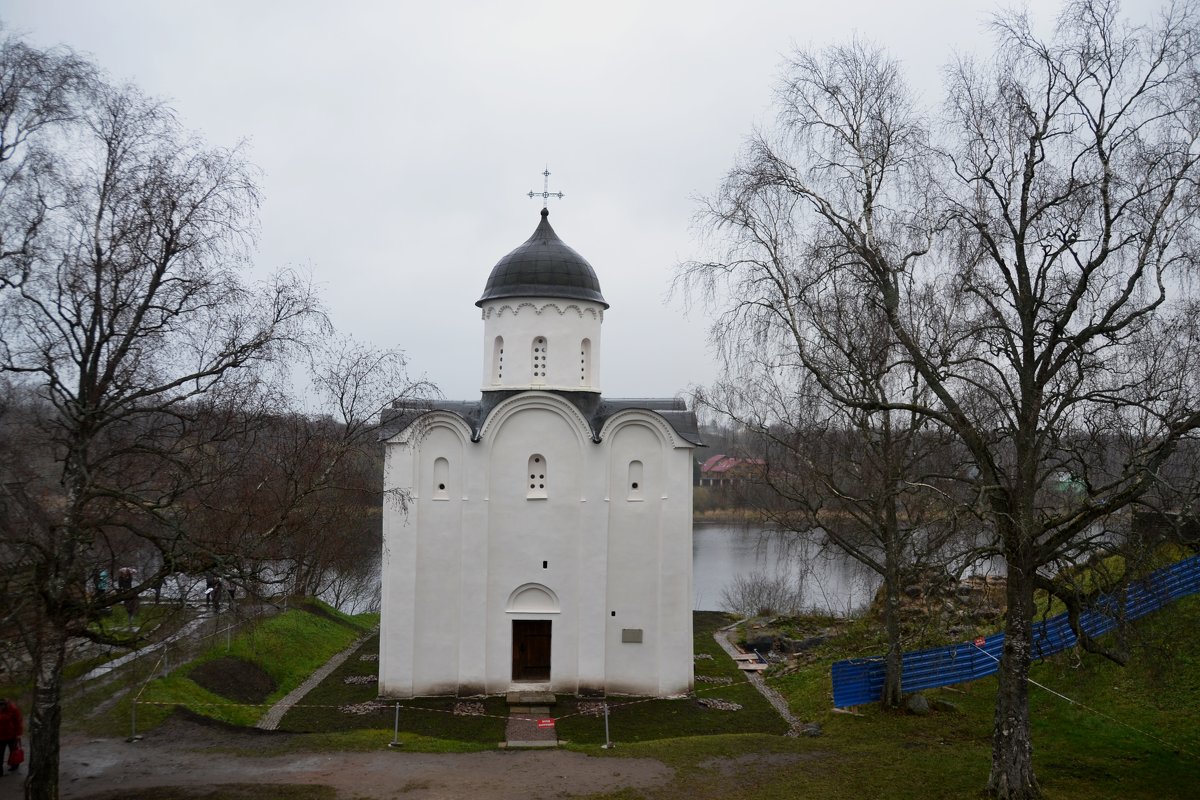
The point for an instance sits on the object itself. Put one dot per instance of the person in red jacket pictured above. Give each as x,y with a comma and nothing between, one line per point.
11,729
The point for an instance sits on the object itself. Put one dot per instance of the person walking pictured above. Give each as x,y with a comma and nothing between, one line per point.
12,726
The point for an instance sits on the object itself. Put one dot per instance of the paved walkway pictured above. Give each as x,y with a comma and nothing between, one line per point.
522,730
773,697
108,666
270,720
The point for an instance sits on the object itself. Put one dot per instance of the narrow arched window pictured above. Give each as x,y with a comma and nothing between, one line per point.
537,476
585,362
539,359
635,482
441,479
498,360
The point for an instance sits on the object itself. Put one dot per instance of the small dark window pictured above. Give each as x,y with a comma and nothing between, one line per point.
537,476
635,480
441,478
545,564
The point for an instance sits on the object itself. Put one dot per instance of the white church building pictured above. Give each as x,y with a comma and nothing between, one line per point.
546,544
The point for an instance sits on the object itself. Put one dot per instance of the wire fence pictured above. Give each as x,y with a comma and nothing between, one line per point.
857,681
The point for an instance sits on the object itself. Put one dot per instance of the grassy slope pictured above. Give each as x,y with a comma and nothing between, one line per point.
1078,753
289,647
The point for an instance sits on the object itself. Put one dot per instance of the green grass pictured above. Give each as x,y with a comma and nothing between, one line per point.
426,724
289,647
641,720
1080,752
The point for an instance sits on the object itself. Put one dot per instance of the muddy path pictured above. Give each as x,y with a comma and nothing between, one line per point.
185,754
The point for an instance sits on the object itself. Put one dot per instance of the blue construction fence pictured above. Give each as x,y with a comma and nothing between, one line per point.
860,680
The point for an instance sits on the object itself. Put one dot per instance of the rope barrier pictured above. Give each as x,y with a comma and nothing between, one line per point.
386,706
1172,745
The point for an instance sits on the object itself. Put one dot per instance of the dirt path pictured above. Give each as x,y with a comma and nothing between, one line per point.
270,720
181,753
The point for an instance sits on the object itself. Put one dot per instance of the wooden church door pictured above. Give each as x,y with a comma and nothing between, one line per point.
531,650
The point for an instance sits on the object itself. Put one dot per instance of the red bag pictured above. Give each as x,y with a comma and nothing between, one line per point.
16,756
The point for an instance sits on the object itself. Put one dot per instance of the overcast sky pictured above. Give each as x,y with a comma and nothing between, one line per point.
398,140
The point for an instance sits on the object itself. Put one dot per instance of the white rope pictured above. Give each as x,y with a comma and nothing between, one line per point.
1097,712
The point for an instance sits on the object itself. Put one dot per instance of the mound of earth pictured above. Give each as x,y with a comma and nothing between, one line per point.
234,679
318,610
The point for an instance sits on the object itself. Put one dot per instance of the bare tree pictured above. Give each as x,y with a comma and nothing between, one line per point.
1036,267
40,90
815,374
145,351
306,508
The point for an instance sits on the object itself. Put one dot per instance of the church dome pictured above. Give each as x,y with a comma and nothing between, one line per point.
544,266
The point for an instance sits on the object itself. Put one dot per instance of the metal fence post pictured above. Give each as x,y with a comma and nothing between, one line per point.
608,745
396,729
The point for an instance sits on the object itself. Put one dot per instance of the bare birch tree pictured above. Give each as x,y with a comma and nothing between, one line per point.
1038,272
874,480
144,348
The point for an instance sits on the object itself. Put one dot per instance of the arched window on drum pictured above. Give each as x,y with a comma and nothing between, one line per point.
539,359
498,360
585,362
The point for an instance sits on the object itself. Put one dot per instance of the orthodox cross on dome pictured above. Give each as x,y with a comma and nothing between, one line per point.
545,193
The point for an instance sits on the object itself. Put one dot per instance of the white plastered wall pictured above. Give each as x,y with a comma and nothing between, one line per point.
649,557
564,324
452,566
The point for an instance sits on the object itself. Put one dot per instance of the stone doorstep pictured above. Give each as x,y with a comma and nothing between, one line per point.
531,699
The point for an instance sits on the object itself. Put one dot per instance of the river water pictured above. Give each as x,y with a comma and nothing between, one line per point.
824,581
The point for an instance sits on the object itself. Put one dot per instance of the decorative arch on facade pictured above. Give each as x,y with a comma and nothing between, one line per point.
515,310
419,428
647,419
533,598
543,400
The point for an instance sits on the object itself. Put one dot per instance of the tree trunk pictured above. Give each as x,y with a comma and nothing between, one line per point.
45,718
1012,775
893,695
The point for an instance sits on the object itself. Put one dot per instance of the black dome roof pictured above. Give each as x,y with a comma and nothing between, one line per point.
544,266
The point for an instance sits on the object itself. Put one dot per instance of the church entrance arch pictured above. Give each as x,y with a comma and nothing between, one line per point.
531,650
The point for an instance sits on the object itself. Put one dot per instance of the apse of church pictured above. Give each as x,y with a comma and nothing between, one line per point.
547,540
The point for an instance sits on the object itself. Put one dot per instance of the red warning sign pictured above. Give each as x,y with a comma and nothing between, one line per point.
545,723
980,642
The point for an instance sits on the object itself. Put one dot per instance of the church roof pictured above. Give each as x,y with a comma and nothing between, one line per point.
544,266
596,409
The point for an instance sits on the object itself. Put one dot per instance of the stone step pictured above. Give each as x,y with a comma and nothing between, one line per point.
531,699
